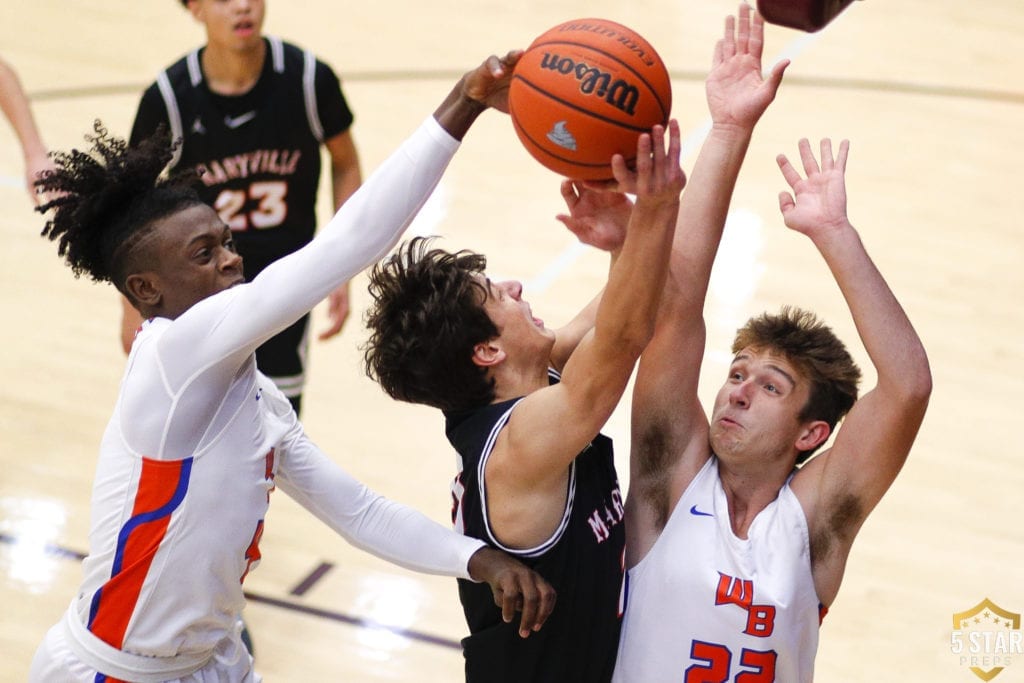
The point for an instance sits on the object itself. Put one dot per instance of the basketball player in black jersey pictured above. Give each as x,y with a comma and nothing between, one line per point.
524,406
253,112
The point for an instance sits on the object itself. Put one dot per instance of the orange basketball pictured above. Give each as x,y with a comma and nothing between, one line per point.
584,91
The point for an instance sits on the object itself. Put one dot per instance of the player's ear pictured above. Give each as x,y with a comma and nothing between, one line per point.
812,435
488,354
195,7
144,289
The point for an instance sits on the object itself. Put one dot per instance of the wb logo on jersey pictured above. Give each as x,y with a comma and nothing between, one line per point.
740,592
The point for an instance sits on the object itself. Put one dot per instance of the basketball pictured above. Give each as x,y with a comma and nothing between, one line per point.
584,91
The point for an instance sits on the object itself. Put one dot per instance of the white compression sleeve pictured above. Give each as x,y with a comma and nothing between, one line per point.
233,323
387,529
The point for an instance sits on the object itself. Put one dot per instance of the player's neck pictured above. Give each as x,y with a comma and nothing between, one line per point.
513,382
233,72
749,490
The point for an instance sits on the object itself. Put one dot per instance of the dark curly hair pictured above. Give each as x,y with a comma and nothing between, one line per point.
815,351
427,316
106,200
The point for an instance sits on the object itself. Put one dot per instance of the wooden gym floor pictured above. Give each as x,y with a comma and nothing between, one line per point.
929,92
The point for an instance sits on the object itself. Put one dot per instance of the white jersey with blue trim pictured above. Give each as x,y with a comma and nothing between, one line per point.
199,439
706,605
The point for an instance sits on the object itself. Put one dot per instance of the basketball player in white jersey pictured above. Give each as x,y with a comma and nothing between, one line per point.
199,438
734,549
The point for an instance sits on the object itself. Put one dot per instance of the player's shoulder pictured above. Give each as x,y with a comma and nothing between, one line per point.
289,56
181,73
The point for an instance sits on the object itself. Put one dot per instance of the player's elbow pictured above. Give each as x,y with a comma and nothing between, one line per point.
918,383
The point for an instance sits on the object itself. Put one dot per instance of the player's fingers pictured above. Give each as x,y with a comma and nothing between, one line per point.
826,154
717,57
529,605
788,172
844,154
743,30
643,158
807,157
658,145
601,185
729,38
756,43
569,194
775,75
675,144
511,600
511,58
548,598
499,598
785,202
625,180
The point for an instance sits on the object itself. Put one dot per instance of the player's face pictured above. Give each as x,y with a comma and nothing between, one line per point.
196,258
518,329
757,409
234,24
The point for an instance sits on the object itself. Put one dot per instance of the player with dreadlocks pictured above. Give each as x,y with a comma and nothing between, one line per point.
199,437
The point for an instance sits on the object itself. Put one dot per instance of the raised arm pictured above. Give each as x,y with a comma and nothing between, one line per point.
551,426
346,177
669,425
598,218
15,106
363,230
839,487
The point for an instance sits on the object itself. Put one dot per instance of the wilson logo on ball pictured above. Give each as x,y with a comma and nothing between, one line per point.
593,81
583,92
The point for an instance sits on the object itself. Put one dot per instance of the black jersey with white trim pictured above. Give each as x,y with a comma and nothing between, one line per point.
583,560
259,152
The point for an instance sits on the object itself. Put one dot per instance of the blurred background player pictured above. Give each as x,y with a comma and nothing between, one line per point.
253,112
16,108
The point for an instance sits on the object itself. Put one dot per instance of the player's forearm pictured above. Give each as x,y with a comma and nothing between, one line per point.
15,106
704,207
368,225
888,336
458,112
626,314
364,229
405,537
389,530
344,183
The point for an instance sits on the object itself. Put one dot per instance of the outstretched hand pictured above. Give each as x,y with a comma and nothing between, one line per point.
736,92
516,588
598,218
484,87
488,83
35,166
818,202
657,176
